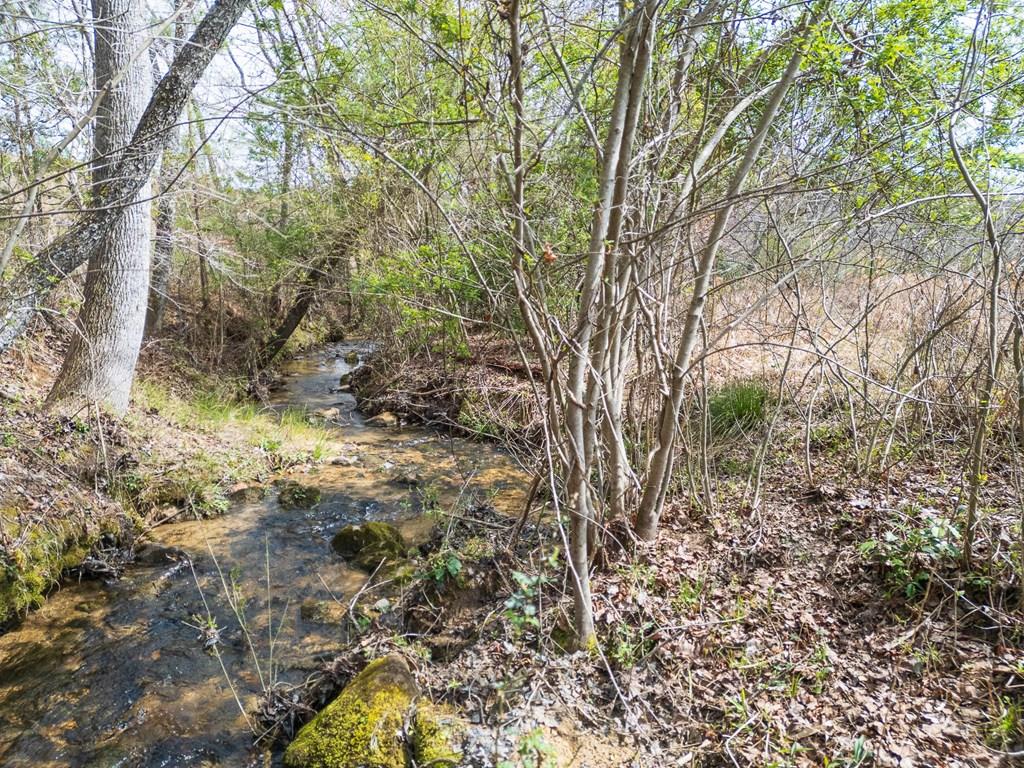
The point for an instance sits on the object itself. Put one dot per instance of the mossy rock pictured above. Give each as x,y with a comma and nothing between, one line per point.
436,734
294,495
366,545
28,572
369,726
352,358
363,727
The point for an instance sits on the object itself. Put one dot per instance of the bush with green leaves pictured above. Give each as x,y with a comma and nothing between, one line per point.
419,294
443,566
910,551
521,605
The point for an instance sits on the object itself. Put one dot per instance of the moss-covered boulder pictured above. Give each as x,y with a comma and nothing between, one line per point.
367,544
294,495
436,735
364,726
377,722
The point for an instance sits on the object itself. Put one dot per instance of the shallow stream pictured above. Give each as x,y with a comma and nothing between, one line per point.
120,673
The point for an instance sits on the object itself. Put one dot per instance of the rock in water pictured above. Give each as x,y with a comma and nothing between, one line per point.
325,612
295,495
365,727
345,461
410,477
383,419
366,545
352,358
245,493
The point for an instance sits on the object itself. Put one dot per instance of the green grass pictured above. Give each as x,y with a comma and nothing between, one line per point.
218,408
250,441
738,407
1006,728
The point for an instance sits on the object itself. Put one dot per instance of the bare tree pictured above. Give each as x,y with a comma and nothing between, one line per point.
29,288
660,472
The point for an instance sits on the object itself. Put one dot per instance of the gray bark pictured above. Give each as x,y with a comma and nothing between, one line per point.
660,474
128,175
100,362
163,250
582,400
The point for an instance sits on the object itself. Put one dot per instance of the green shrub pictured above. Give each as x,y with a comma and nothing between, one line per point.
911,551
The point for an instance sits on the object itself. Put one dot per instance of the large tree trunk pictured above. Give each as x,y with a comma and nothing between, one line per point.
130,173
100,363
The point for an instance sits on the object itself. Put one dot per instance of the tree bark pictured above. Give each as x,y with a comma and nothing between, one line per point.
317,274
100,362
30,288
660,473
583,395
163,250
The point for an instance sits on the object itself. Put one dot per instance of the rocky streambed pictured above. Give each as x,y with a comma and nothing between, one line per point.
163,666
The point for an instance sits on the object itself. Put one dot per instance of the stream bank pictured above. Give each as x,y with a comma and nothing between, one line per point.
757,638
167,662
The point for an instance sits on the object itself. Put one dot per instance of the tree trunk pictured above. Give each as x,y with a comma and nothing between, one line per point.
317,274
100,363
660,473
583,386
56,261
163,250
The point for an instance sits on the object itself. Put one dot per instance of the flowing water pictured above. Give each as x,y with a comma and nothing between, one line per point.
120,673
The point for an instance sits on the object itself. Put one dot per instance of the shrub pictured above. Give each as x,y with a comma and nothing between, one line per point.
911,551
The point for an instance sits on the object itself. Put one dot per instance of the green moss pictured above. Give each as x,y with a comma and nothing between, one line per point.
366,545
28,573
295,495
476,549
362,728
435,734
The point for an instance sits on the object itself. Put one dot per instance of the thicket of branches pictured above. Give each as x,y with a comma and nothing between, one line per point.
798,217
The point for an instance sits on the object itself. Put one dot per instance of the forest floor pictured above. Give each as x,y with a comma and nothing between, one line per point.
820,628
830,625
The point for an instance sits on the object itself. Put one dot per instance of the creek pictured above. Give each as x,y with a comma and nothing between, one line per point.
155,668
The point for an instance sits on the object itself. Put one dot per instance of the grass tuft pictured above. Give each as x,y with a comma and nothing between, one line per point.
738,407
